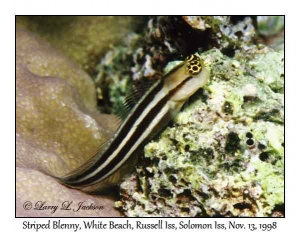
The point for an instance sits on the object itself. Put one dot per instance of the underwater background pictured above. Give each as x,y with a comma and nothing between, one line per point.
222,155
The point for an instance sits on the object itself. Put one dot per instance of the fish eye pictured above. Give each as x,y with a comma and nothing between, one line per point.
193,66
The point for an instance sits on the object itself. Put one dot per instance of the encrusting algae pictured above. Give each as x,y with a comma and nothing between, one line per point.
224,154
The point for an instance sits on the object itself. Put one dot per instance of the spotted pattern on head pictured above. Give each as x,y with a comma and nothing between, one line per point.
193,66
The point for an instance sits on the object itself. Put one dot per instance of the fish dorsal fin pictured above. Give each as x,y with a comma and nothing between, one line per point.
139,89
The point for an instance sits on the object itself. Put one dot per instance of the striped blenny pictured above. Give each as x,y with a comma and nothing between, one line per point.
150,115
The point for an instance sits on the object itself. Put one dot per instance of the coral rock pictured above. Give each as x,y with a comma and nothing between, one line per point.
224,154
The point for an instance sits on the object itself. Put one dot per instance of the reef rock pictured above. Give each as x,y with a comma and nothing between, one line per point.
224,154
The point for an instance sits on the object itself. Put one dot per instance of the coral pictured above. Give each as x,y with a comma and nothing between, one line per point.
83,38
223,155
44,192
57,125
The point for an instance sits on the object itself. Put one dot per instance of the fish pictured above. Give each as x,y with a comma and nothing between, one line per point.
153,111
